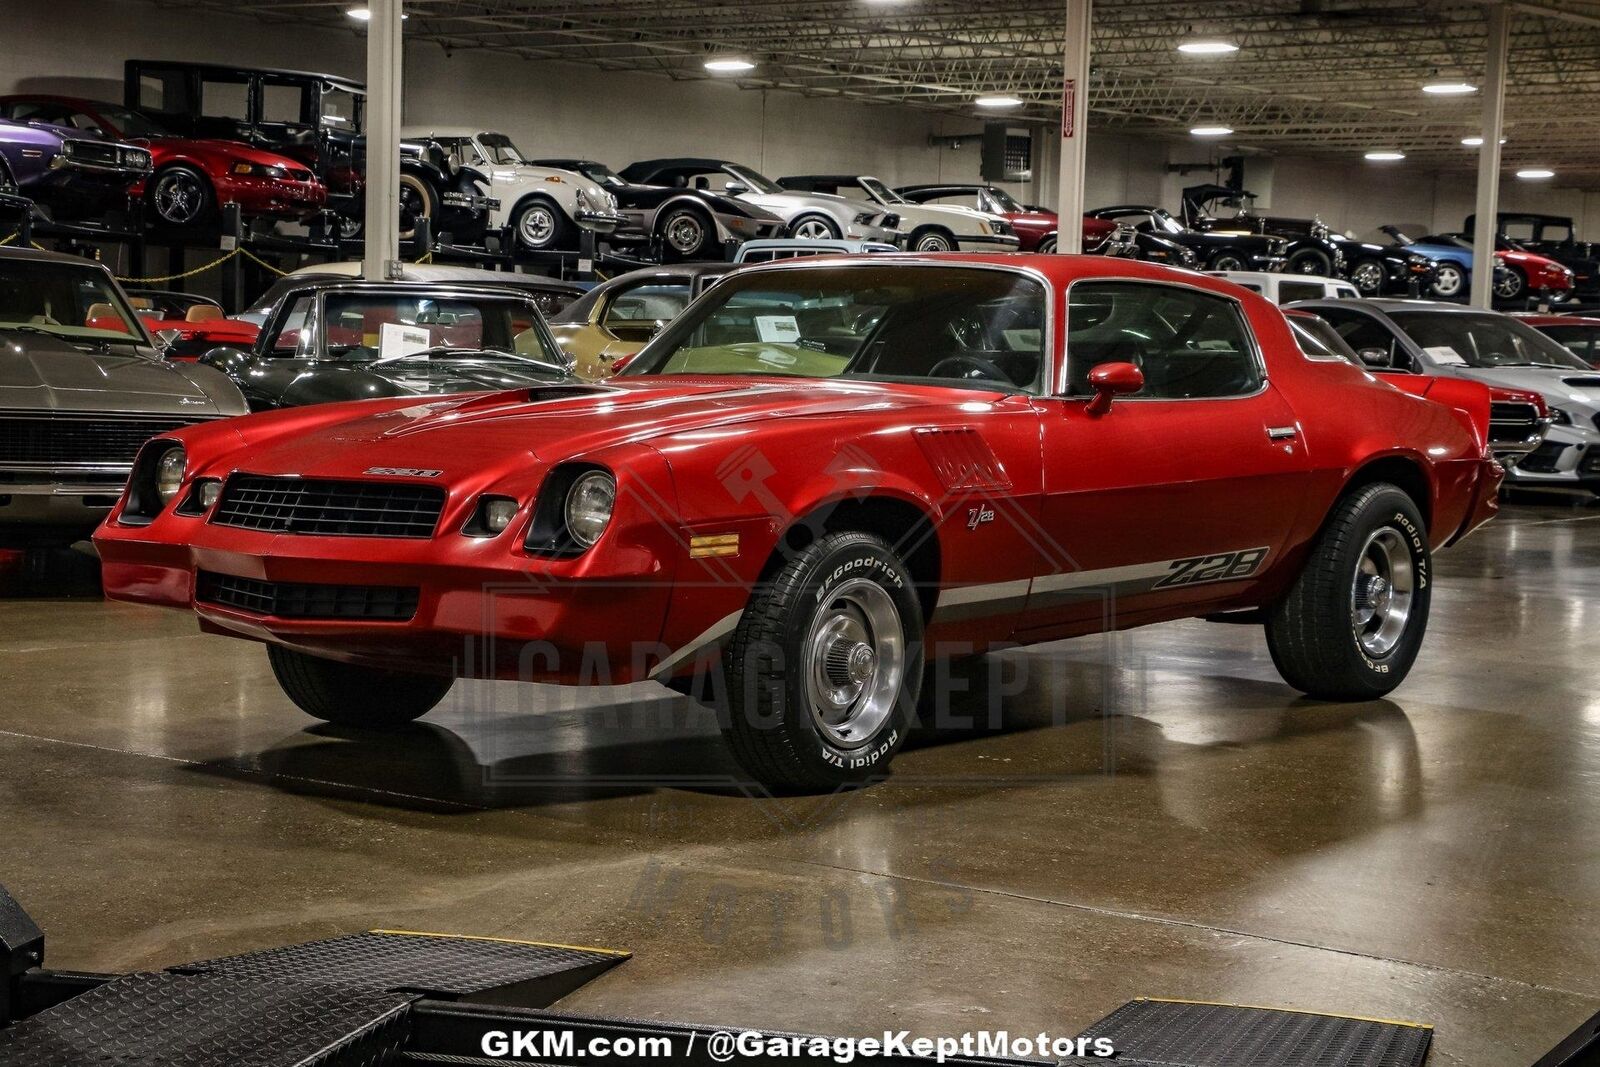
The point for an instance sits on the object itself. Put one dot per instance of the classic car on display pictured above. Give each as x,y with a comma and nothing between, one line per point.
551,294
1452,258
616,318
1036,229
353,340
1212,251
771,249
82,387
187,326
1287,288
1455,341
72,174
1578,334
823,476
1554,236
1311,248
805,215
922,228
687,223
1526,273
1518,418
315,119
546,208
190,177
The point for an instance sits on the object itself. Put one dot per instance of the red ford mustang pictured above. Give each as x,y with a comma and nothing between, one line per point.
190,176
820,477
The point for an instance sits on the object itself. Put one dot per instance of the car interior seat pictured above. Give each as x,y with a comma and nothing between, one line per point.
203,313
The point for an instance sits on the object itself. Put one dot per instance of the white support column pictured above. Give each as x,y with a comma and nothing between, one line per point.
383,141
1074,127
1486,225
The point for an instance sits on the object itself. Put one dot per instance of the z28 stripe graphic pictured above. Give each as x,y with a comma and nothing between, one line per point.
968,601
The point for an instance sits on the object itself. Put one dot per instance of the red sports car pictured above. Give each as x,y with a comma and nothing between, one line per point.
823,475
1578,334
190,176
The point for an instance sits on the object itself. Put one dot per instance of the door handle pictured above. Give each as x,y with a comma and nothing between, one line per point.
1282,433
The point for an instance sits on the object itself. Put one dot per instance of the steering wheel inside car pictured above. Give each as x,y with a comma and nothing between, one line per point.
976,367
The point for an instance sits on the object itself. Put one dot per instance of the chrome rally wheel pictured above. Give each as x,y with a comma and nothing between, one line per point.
1380,595
855,662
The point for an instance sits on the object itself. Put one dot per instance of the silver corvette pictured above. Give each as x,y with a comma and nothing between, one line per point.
82,387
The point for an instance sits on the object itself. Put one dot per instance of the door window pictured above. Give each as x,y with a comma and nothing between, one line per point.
1189,344
632,314
293,338
225,99
1363,332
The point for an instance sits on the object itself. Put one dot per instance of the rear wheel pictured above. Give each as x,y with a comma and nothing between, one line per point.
1047,245
824,669
1368,276
685,232
1351,625
1510,284
1227,261
417,201
347,695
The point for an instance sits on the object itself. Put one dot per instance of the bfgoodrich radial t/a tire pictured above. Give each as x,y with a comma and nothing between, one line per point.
349,695
824,669
1351,625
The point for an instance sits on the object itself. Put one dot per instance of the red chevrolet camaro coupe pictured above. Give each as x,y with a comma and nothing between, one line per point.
820,477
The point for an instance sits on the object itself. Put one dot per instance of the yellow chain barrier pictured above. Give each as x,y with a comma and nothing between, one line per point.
258,261
425,258
219,261
8,240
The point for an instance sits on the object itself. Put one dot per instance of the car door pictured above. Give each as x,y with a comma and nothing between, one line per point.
1180,495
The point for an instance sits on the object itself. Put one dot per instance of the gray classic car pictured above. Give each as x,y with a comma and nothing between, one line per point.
82,387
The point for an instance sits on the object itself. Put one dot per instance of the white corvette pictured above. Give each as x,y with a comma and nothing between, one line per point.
922,227
545,208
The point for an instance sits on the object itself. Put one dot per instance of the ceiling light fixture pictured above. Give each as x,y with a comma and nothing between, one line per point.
1211,131
998,101
1477,142
1535,174
1207,48
1385,156
364,14
729,64
1449,88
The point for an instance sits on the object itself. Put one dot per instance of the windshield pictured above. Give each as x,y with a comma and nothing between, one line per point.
363,327
757,182
600,174
130,123
885,322
1005,202
1483,339
66,300
1165,223
882,192
500,150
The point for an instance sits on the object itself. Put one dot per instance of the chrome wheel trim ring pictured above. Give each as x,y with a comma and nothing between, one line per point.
854,662
813,230
685,234
1382,591
178,197
537,226
933,242
1367,277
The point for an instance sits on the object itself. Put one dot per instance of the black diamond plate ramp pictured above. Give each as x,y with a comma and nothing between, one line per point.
480,969
1175,1033
170,1020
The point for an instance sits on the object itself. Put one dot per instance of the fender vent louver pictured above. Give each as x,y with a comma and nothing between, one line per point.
961,458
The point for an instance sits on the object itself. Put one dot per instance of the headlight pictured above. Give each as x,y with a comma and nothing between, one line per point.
589,505
169,473
582,199
259,170
865,217
136,157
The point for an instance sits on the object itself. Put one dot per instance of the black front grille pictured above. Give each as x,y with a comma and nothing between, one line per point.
303,600
1590,463
330,508
74,440
94,153
1543,459
1511,421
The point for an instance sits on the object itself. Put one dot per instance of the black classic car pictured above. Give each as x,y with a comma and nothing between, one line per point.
688,223
317,120
353,340
1554,236
1212,251
70,172
1311,250
82,387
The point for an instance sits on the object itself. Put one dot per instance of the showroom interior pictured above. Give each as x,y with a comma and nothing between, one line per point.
1209,745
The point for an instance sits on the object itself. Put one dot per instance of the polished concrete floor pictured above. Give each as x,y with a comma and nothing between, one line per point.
1156,815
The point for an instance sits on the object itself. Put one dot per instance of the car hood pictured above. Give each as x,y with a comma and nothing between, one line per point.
790,204
1569,389
557,422
529,175
54,375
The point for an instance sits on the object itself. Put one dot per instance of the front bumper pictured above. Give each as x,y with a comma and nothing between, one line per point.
34,511
856,232
599,221
994,242
743,228
1568,458
262,197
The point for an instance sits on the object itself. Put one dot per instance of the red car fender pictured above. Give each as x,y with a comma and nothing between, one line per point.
1469,401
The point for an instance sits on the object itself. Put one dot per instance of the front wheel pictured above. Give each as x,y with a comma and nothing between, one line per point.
344,694
1351,625
1311,261
418,200
540,225
814,228
1448,281
1369,276
1227,261
181,197
824,668
932,240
